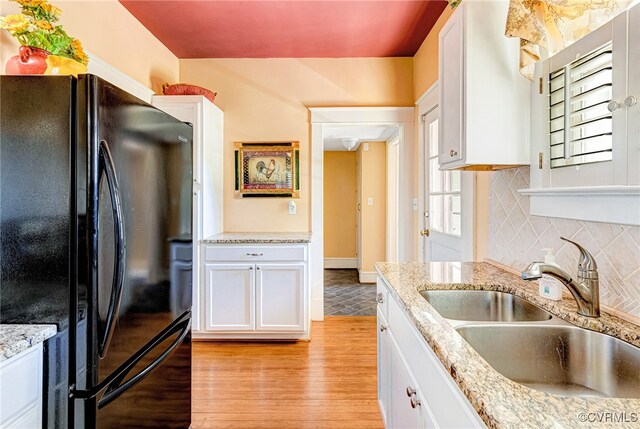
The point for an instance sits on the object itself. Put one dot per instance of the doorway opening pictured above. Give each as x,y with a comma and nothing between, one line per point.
359,215
356,215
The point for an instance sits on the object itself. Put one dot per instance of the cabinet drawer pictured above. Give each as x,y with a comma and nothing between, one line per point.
21,387
255,254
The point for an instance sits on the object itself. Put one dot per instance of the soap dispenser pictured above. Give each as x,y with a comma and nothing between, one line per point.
550,287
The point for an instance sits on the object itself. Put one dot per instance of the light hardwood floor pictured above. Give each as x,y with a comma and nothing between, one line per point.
327,383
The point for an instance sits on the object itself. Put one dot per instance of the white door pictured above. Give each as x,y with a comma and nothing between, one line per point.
442,218
393,200
230,297
384,368
281,297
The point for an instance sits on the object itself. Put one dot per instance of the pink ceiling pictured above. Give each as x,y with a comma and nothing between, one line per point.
288,29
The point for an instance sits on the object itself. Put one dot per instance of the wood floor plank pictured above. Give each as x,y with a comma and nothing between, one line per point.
327,383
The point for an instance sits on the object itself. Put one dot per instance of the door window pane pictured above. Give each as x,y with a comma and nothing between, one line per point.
452,181
436,205
435,184
433,138
453,219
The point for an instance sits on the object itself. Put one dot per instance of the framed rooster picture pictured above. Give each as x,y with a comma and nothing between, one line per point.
267,169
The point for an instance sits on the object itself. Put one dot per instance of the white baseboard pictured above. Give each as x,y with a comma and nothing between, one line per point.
340,263
368,276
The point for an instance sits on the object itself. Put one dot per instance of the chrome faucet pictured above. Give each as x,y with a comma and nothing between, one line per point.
585,289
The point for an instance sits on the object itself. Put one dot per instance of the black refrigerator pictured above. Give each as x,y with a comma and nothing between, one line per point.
95,237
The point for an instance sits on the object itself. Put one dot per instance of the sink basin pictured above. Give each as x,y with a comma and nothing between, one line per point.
563,360
483,306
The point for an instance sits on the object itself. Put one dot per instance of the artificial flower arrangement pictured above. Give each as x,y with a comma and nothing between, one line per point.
35,28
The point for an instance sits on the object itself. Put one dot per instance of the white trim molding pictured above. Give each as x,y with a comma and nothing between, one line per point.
340,263
326,117
367,276
111,74
611,204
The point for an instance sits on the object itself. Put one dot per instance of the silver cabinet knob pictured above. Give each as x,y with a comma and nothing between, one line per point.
379,298
410,391
257,268
630,101
453,152
415,402
383,328
613,106
250,268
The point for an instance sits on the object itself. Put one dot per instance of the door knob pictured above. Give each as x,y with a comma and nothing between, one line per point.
424,233
453,152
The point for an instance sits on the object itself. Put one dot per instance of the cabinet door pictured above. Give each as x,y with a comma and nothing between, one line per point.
384,368
451,74
281,296
230,297
404,415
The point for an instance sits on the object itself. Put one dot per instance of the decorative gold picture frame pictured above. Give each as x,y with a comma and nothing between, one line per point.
267,170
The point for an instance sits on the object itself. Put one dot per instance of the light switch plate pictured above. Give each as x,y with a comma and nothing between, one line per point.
292,207
370,201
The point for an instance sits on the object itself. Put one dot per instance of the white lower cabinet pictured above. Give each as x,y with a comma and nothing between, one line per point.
255,293
414,389
384,367
401,402
280,297
21,390
230,297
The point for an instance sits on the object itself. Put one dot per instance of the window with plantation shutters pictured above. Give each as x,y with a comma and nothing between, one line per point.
585,129
580,120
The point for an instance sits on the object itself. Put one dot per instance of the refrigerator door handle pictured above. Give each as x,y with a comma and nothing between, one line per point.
117,387
106,162
113,386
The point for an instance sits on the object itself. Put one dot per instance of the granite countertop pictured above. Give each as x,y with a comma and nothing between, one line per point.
500,402
259,238
18,338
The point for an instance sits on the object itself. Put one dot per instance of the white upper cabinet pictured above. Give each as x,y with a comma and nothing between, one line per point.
484,100
585,141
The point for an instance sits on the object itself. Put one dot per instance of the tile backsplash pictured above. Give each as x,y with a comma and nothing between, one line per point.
516,239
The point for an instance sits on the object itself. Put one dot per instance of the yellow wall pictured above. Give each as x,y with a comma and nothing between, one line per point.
372,165
267,100
425,61
109,31
340,204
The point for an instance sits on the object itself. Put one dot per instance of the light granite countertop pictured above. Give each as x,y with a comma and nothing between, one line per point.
500,402
18,338
259,238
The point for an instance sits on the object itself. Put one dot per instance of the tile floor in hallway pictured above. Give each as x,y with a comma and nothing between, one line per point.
344,295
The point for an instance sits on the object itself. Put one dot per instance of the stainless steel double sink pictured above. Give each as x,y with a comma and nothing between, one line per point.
532,347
